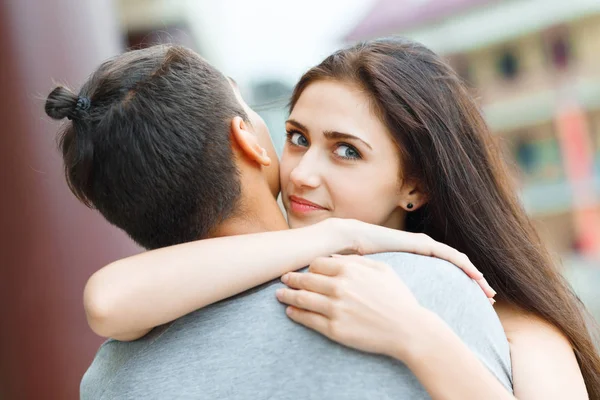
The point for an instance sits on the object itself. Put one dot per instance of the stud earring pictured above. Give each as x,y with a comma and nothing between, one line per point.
410,206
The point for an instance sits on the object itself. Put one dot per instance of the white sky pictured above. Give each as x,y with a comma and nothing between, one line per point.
252,40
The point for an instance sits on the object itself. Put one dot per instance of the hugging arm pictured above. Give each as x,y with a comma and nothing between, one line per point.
127,298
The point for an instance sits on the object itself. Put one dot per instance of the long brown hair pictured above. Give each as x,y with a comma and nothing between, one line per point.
445,144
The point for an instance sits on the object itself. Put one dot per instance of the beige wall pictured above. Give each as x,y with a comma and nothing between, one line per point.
536,73
539,89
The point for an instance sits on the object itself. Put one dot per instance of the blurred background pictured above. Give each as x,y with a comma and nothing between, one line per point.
534,65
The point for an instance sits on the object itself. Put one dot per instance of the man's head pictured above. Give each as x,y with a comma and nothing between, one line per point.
262,138
157,142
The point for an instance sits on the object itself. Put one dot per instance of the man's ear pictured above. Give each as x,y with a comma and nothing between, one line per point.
412,196
248,142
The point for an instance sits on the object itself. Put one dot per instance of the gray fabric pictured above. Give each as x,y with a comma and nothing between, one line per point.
246,348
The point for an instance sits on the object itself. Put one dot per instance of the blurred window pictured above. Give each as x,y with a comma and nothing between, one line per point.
508,64
560,53
539,158
558,48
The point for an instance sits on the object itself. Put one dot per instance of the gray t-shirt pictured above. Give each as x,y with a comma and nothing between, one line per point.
246,348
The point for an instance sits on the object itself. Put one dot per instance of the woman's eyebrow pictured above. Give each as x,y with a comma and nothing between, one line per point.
345,136
297,124
331,135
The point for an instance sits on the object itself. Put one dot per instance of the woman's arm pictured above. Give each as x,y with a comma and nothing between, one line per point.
543,362
127,298
446,367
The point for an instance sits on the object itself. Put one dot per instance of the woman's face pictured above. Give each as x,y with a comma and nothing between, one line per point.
339,160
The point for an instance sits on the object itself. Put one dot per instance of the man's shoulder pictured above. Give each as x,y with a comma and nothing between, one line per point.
434,282
109,360
415,266
403,257
445,289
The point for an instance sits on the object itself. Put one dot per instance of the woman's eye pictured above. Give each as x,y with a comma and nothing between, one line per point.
298,139
347,152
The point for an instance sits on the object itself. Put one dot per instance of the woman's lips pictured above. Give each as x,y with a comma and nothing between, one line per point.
302,206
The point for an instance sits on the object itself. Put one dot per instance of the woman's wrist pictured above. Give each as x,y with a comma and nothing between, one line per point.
339,233
414,339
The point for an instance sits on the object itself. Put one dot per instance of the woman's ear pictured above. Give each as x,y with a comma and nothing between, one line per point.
412,195
248,142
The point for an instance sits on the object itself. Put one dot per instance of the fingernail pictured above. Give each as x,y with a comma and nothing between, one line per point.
336,255
492,301
285,278
289,311
279,293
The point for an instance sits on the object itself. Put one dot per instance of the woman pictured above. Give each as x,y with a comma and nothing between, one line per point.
458,192
391,114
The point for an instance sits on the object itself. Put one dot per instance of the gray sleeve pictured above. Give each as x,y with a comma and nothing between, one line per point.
111,357
446,290
106,364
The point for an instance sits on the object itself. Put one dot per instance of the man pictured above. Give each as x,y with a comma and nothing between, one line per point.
168,151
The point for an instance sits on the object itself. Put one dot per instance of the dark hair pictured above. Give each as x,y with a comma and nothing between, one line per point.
152,152
445,144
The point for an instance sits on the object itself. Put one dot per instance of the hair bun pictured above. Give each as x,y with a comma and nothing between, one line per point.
60,103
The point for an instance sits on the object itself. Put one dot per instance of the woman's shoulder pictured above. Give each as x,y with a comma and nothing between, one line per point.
542,358
524,329
519,323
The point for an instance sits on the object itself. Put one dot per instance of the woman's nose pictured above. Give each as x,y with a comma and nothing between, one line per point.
305,174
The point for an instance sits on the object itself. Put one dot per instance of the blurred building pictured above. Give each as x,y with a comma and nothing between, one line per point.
534,66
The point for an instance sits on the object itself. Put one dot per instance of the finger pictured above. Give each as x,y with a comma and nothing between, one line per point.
450,254
487,289
309,319
305,300
329,266
461,260
354,259
309,281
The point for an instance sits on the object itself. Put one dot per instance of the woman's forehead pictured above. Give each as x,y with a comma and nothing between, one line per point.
336,106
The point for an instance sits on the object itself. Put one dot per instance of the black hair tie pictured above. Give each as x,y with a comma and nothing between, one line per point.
83,104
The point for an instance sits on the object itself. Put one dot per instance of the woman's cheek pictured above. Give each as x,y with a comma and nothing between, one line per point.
350,196
285,167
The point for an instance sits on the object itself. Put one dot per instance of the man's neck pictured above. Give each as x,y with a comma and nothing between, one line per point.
257,214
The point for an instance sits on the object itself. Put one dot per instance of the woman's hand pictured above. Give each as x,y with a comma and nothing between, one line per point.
355,301
363,304
369,239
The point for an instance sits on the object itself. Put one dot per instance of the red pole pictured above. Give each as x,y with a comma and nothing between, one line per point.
576,147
